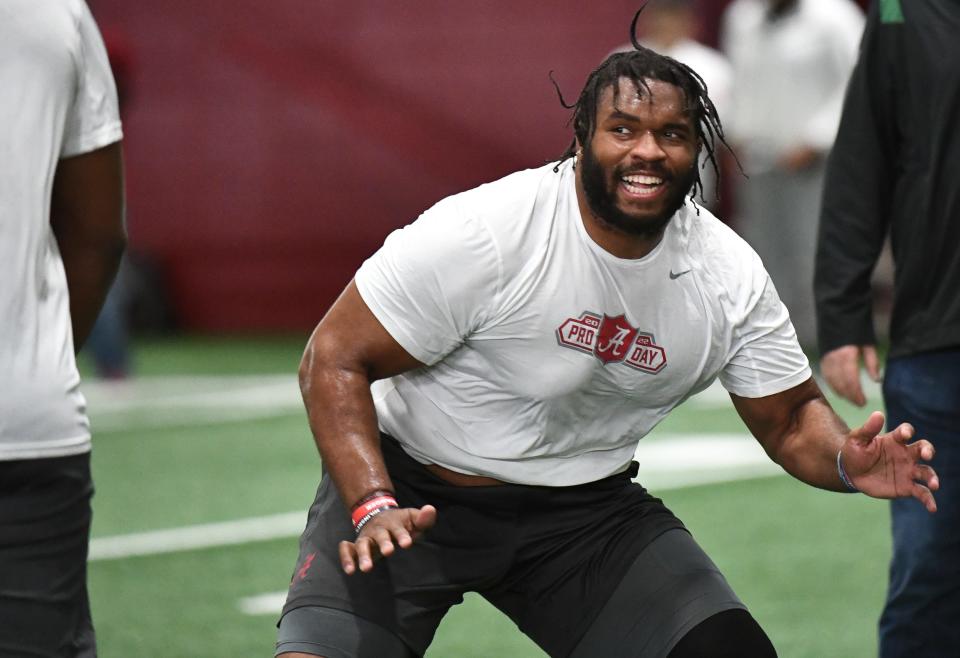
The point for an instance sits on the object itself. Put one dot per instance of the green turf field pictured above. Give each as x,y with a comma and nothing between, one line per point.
205,468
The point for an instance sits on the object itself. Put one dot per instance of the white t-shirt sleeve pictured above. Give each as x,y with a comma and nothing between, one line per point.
432,283
765,357
93,120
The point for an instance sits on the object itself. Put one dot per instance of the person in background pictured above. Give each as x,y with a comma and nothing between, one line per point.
61,237
791,61
671,27
893,172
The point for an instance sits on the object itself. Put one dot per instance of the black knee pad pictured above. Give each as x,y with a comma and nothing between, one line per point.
728,634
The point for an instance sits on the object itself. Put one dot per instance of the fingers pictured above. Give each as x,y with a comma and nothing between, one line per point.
927,476
924,449
425,518
924,495
871,362
348,556
841,369
359,554
903,432
382,535
870,429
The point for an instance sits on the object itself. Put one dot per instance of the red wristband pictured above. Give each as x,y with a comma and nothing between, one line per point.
369,507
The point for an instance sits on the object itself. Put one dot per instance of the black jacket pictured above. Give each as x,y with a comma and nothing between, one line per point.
895,168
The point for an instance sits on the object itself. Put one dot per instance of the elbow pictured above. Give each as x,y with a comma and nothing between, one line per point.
320,360
307,367
118,245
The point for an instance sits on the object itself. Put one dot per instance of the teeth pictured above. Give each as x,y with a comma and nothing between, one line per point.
642,180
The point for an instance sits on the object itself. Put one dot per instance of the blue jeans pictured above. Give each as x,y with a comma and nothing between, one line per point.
922,612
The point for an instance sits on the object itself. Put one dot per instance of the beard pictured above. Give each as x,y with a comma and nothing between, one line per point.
602,197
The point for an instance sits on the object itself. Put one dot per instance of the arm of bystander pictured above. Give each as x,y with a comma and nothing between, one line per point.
87,217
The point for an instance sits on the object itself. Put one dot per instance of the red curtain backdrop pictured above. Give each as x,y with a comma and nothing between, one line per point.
271,146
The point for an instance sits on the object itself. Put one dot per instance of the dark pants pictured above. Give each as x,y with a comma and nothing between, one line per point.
922,613
44,532
553,559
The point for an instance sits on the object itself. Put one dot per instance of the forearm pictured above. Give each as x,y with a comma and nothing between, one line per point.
87,210
808,450
91,264
344,424
799,431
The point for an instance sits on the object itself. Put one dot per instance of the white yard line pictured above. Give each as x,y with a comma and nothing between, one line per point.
157,402
188,391
667,463
270,603
207,535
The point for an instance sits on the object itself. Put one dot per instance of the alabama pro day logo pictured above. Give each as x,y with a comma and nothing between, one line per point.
612,340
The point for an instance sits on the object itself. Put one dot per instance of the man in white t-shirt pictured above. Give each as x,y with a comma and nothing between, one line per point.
61,237
520,338
791,61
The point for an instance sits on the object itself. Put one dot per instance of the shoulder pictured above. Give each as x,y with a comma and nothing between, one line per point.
518,211
501,199
740,20
484,225
843,16
727,263
740,12
494,207
711,64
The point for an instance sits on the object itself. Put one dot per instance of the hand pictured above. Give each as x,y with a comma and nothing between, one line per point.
887,466
381,534
841,368
799,158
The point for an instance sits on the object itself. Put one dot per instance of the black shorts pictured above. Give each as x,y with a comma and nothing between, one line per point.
44,532
548,557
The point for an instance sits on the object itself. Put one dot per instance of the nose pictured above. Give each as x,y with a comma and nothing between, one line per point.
647,148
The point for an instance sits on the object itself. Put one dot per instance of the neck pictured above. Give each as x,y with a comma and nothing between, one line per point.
612,239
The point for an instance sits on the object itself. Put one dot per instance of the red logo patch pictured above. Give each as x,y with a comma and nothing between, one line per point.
612,340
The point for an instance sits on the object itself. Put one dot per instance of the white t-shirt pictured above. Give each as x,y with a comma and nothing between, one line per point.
57,99
789,75
549,358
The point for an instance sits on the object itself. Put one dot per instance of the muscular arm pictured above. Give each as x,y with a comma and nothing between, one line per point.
800,431
348,350
87,217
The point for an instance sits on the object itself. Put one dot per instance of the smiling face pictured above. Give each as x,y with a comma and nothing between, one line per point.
638,166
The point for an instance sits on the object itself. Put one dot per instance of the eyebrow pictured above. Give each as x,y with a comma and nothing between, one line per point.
620,114
626,116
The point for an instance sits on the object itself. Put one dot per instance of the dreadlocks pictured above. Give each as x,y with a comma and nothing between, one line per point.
638,66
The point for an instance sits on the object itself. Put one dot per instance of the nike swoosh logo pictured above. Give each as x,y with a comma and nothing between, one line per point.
678,274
